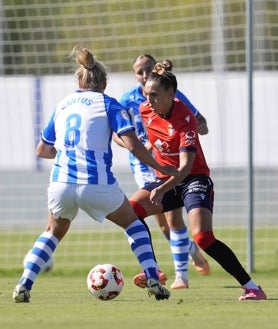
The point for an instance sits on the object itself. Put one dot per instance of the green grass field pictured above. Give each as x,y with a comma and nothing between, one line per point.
60,299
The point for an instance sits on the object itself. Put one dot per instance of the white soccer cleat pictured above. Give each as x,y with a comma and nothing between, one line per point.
179,283
156,289
21,294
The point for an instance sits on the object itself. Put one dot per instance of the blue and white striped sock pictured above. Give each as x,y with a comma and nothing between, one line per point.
192,248
37,258
179,242
139,240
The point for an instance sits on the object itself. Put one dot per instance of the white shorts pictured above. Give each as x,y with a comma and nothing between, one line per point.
143,178
97,201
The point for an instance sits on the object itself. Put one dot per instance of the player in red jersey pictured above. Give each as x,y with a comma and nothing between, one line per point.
143,174
172,132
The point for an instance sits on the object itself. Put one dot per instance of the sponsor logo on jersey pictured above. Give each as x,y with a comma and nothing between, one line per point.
161,145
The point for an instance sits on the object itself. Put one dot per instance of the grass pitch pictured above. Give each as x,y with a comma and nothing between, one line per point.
62,301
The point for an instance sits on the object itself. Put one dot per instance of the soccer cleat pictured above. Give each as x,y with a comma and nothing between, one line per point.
21,294
179,283
253,294
140,279
156,289
199,262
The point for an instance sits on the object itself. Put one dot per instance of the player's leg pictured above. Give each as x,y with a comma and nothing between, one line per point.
144,208
200,221
38,256
198,260
59,202
140,243
140,279
163,225
143,178
179,247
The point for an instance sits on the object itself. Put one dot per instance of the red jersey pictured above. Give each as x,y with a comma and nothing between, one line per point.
173,135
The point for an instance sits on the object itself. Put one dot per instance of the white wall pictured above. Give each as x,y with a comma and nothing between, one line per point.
222,99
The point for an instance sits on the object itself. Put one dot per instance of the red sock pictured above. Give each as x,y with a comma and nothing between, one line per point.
204,239
138,209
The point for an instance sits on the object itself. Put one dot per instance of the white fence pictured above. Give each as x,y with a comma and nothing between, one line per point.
27,102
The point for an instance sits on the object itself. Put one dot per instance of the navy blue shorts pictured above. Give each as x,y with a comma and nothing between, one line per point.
196,191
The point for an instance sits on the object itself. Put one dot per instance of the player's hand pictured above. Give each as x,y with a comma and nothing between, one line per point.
156,196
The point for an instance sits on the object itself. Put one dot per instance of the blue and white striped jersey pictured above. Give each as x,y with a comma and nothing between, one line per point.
131,101
81,129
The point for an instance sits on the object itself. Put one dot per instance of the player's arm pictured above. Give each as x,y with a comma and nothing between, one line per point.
45,151
202,124
45,148
133,144
186,163
118,140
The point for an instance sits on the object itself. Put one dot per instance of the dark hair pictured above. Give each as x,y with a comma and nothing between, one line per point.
168,65
162,73
91,74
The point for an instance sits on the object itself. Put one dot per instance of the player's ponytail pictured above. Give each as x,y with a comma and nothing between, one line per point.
91,74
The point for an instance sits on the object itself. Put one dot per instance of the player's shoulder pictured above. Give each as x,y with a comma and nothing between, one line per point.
180,95
110,99
182,106
132,93
69,96
145,106
183,112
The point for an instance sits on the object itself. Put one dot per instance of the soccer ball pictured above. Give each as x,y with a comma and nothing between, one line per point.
47,266
105,281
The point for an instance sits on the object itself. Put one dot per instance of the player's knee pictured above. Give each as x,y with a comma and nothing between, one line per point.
138,209
204,239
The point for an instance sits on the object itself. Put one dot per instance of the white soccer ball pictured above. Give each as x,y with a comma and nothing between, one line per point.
47,266
105,281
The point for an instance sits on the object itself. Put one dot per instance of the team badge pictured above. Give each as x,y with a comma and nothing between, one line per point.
124,115
190,134
171,130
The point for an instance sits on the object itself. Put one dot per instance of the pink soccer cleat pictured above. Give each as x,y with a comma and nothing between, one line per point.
253,294
140,279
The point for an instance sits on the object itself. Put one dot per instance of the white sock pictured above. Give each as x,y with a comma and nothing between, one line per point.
250,285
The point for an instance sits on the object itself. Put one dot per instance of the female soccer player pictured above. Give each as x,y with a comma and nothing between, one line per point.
173,134
143,174
78,136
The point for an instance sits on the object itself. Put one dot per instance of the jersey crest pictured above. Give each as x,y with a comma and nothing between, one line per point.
124,115
171,130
